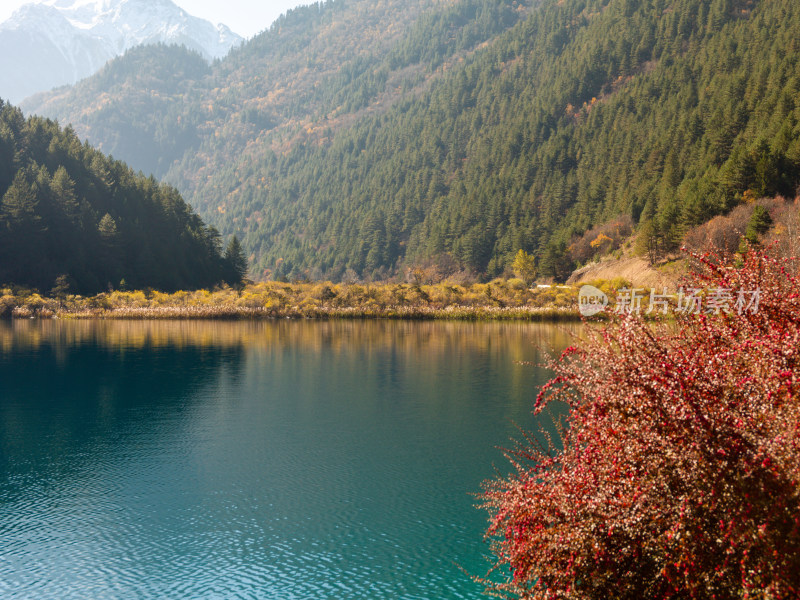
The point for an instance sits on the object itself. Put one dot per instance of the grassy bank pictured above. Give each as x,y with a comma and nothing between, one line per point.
499,299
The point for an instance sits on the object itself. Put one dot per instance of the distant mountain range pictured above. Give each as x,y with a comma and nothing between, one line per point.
374,137
59,42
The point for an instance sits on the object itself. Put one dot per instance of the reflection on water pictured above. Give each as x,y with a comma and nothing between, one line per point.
283,459
337,335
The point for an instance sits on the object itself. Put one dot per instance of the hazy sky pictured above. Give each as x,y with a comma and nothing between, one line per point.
245,17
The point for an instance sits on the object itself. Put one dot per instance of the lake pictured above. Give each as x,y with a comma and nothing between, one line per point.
273,460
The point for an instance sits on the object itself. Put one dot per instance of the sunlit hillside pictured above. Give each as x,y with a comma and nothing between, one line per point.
367,137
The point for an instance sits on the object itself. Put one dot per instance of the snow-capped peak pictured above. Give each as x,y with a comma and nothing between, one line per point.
128,23
82,35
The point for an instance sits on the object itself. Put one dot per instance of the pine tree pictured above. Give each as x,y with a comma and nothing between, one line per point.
235,262
759,223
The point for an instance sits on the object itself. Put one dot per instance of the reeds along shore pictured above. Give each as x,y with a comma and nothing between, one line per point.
498,299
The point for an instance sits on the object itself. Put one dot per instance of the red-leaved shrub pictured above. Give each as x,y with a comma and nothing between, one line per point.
679,471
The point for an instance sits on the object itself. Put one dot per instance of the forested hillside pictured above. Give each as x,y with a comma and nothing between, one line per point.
159,117
481,127
74,220
315,66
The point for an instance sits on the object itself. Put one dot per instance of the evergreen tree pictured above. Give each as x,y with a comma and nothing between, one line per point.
758,224
235,262
71,214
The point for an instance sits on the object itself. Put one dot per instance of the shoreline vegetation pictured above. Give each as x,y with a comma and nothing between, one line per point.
496,300
676,469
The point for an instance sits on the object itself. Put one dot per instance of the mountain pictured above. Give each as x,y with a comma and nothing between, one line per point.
72,218
59,42
339,140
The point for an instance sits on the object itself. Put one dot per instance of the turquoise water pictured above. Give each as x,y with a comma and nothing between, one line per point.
279,460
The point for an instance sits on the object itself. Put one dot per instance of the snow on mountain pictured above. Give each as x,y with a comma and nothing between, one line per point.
58,42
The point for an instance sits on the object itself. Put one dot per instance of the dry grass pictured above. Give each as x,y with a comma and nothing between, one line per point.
497,300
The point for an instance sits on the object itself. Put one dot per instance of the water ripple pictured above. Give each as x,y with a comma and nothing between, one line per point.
288,470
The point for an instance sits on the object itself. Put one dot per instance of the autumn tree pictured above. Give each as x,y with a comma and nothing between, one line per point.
524,267
678,476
